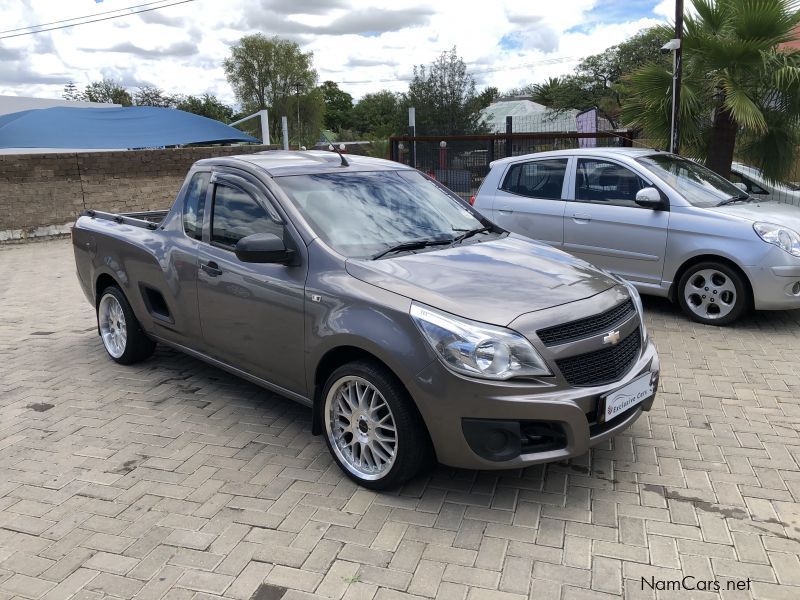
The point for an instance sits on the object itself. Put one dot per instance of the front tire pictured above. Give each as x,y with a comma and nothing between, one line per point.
713,293
372,428
120,331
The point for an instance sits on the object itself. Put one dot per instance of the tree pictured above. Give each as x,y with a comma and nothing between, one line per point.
338,107
206,105
107,91
738,87
485,98
597,80
274,74
564,93
380,114
71,92
151,95
444,96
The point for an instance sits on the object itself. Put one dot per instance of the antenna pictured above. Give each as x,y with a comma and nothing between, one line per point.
331,146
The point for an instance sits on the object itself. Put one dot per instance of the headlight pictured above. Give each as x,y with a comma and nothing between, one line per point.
477,349
784,238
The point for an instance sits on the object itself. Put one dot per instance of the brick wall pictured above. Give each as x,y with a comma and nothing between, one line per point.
42,194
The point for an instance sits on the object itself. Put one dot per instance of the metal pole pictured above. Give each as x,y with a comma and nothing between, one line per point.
264,126
298,87
674,142
285,127
509,130
412,131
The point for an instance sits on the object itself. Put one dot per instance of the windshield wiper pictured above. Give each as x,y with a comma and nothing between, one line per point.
739,198
411,245
469,233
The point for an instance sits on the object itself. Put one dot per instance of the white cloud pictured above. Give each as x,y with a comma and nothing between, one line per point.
365,45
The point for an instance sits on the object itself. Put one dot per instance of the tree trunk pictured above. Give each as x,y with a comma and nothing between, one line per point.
722,142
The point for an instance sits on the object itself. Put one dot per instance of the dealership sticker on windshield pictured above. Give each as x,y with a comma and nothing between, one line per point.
617,402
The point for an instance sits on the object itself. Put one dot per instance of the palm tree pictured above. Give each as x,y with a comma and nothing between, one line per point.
740,93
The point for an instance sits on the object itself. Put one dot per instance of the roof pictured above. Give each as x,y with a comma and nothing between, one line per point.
294,162
112,128
610,152
527,115
12,104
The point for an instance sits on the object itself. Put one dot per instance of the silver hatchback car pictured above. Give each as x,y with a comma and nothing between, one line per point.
668,225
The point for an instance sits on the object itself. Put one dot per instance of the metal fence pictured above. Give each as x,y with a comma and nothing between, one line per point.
462,161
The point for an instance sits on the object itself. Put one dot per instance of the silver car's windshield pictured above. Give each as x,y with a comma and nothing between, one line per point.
365,213
699,185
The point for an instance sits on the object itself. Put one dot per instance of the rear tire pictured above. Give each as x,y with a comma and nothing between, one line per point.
713,293
120,330
371,427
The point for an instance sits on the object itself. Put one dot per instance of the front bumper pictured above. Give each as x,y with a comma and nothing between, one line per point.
775,287
447,401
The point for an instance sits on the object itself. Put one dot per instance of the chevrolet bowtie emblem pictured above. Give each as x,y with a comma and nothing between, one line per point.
612,338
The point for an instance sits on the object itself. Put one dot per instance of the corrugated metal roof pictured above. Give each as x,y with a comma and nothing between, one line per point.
527,116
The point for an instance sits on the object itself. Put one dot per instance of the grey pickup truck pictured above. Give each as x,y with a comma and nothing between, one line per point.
414,328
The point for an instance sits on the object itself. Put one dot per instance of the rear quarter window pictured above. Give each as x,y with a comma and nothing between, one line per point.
536,179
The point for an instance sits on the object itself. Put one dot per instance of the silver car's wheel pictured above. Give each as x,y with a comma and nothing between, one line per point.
713,293
361,428
113,327
710,294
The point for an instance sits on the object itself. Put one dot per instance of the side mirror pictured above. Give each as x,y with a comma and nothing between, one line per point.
263,248
742,186
649,197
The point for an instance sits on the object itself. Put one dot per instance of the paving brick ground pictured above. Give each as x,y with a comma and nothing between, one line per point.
174,480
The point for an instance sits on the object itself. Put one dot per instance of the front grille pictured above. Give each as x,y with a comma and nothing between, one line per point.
586,327
602,366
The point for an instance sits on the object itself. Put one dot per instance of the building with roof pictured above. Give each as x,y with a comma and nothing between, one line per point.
527,116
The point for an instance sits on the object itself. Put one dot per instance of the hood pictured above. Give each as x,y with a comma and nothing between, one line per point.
492,282
767,212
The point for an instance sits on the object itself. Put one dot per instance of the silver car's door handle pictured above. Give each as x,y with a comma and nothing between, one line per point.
212,269
581,217
505,210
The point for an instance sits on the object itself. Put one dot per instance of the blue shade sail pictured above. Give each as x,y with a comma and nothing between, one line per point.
112,128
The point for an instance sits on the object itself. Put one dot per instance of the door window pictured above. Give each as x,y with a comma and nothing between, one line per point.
194,203
536,179
606,182
236,214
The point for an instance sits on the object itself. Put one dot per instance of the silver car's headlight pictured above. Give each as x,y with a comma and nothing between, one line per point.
477,349
784,238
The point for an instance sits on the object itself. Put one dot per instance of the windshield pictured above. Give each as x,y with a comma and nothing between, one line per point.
699,185
363,214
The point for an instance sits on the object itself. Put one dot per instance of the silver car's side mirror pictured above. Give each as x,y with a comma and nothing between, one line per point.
741,185
649,197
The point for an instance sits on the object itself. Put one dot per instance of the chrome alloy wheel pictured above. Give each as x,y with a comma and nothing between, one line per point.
710,294
113,328
360,427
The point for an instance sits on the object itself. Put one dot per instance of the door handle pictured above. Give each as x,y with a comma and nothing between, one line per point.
212,269
581,217
505,210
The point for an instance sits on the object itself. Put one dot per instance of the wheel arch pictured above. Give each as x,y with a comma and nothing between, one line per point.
103,281
701,258
340,355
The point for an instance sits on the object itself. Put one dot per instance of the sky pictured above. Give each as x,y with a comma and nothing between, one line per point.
363,45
